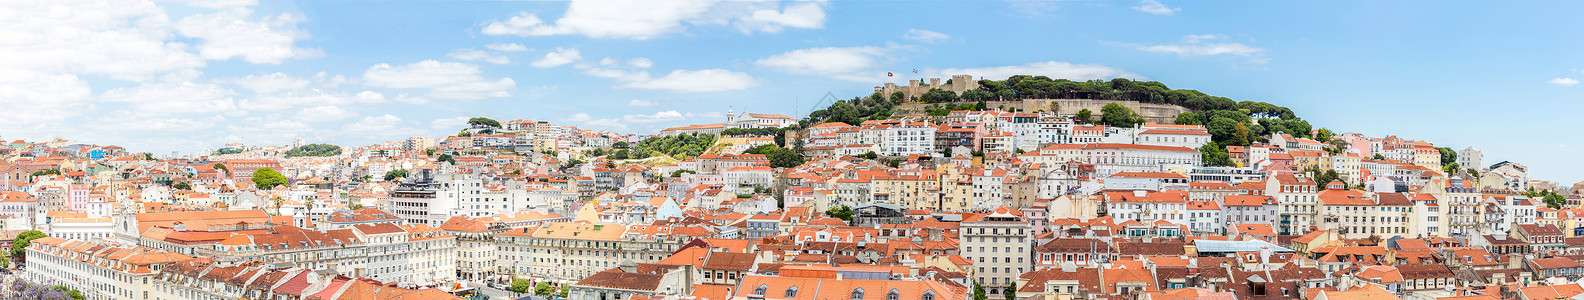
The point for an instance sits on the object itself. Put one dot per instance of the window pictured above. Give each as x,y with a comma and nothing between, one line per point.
762,288
893,295
791,292
857,294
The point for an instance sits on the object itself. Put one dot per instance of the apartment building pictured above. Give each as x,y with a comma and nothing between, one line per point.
102,271
998,245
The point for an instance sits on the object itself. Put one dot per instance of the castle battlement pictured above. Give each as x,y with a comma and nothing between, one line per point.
915,88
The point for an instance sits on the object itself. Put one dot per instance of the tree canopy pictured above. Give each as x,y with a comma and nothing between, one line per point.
779,157
397,173
320,150
681,146
224,151
1116,115
266,178
482,121
841,212
20,243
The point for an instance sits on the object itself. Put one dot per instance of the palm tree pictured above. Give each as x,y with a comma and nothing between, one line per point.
278,202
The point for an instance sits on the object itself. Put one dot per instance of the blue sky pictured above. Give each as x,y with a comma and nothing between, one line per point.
194,74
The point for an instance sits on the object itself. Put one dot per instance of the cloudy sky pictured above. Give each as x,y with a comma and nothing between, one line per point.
188,75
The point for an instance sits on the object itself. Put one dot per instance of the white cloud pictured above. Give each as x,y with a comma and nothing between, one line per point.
860,64
218,4
712,114
697,81
641,63
557,58
1053,69
624,121
383,125
309,97
1563,81
579,117
680,81
268,83
507,47
1155,8
445,124
1206,45
925,36
636,102
800,15
122,122
664,116
646,19
123,39
30,98
470,54
448,80
167,98
326,113
234,32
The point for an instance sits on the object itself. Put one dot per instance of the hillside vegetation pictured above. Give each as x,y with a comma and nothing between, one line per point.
320,150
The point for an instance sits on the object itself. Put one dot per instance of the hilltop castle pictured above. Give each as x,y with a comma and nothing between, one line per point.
915,88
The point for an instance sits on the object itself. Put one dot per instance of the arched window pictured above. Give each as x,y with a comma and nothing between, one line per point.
761,289
791,292
928,295
893,295
857,294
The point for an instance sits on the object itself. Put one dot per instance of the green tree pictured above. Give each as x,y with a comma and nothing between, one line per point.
869,155
939,96
622,145
446,158
397,173
1244,136
1010,295
543,289
148,156
223,168
1187,118
520,286
1448,155
976,95
47,172
1083,116
1451,168
784,158
1324,135
20,243
1215,155
1378,156
318,150
841,212
1113,114
482,121
679,173
182,186
979,292
267,178
74,294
